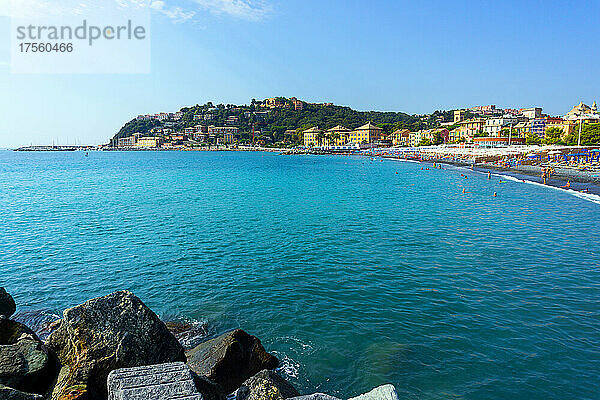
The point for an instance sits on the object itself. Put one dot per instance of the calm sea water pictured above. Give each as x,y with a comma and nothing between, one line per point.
354,272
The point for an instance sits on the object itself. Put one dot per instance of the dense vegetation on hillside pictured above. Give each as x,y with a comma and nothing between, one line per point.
273,123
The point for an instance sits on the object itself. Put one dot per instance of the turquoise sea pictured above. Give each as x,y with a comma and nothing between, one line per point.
354,272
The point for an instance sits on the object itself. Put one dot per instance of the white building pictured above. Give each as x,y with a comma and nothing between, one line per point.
493,126
532,113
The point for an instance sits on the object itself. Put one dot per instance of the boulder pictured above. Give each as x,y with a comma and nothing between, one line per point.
266,385
315,396
385,392
7,304
7,393
210,390
230,359
25,363
105,334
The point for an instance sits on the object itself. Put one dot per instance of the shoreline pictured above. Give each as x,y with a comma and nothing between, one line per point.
526,174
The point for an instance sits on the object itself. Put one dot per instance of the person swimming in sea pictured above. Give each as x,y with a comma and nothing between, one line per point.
489,175
495,194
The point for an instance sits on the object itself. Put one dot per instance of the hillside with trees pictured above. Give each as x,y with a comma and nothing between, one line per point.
272,123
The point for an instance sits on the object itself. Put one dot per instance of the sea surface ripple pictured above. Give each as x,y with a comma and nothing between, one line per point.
355,272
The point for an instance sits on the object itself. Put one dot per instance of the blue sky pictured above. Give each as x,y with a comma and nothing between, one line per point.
411,56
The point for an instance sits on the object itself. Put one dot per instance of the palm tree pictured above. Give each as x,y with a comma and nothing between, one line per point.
320,136
335,137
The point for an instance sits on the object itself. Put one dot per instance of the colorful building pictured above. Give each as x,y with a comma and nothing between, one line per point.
338,136
149,142
567,126
469,128
400,137
228,138
311,136
126,142
222,130
297,104
538,127
485,110
430,134
522,129
368,133
459,116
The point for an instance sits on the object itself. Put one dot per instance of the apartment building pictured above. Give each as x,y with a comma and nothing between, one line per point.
368,133
310,137
494,125
471,127
222,130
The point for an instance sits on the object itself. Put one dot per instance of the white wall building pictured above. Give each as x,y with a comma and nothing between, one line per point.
532,113
493,126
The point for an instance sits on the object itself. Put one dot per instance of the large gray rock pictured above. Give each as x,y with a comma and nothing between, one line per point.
385,392
210,390
7,393
230,359
158,382
25,363
315,396
105,334
7,304
266,385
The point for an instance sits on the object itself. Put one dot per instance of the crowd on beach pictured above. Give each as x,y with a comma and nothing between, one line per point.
543,162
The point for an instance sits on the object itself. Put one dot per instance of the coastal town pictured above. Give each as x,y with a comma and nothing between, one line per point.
524,140
479,126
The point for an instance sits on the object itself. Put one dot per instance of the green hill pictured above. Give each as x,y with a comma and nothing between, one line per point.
274,122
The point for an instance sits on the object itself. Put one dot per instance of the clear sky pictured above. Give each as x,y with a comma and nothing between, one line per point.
411,56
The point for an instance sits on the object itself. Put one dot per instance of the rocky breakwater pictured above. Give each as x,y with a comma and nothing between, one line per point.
119,332
26,365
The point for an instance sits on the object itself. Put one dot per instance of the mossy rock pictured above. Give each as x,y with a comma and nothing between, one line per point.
25,363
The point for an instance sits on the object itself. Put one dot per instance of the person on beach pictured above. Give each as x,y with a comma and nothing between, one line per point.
489,175
544,173
568,185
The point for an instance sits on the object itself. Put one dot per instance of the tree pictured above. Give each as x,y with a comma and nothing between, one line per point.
335,137
532,139
424,142
590,134
554,135
505,132
320,138
437,138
